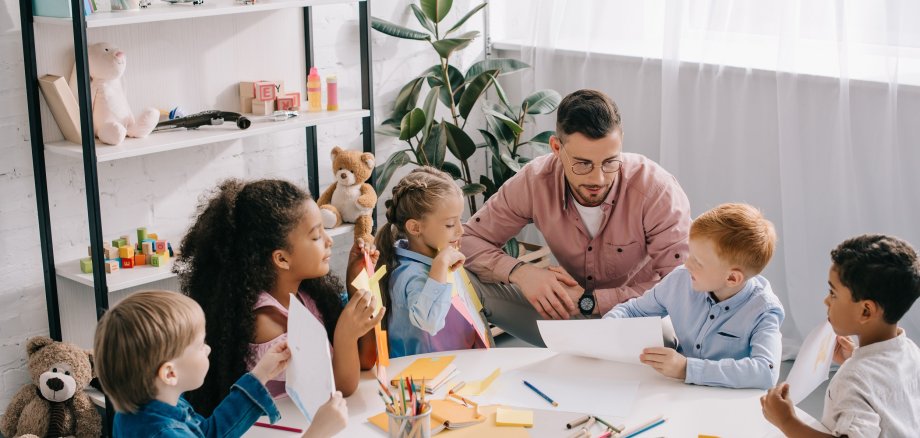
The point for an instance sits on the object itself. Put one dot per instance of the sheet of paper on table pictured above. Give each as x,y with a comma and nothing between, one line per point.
619,340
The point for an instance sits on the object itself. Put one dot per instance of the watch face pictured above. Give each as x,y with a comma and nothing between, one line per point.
586,304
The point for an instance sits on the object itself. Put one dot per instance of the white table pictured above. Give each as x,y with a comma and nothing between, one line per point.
690,410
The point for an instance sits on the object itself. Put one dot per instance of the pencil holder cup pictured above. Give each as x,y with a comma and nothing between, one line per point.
410,426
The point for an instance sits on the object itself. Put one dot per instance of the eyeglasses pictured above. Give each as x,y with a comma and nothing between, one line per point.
583,168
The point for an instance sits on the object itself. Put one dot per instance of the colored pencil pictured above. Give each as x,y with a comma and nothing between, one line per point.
279,427
540,393
648,425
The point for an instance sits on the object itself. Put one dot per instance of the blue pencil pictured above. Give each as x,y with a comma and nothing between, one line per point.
540,393
654,424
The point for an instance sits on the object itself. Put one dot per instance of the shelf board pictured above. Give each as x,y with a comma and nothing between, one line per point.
184,138
141,275
161,11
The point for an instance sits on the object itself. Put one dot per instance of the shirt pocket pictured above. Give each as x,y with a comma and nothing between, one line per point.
622,260
731,341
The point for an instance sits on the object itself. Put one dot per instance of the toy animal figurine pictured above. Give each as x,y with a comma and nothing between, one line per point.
350,198
112,117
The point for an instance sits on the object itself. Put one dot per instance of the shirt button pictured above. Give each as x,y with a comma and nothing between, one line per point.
477,219
590,248
619,249
590,277
726,308
697,346
771,366
676,256
712,317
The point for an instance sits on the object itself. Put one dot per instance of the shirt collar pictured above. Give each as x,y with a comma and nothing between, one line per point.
737,299
403,252
565,192
158,408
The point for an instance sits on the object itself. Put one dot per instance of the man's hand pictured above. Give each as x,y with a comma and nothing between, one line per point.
777,406
574,289
545,290
666,361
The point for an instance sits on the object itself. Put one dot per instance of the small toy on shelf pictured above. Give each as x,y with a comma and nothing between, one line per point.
122,254
204,118
332,93
112,116
314,91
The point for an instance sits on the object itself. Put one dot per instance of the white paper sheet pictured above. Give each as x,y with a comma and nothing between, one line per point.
309,379
599,389
620,340
813,362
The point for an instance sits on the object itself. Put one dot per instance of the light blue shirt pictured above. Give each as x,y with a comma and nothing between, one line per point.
735,343
422,319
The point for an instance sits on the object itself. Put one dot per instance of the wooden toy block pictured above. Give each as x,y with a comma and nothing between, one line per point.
111,253
164,258
111,266
86,265
262,108
126,238
140,259
127,263
161,246
147,247
126,252
152,236
296,96
141,234
115,243
265,91
155,259
286,102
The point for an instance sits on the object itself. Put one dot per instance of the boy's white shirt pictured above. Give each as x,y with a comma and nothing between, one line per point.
876,392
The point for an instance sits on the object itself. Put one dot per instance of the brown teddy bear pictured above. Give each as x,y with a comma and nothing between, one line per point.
54,405
349,198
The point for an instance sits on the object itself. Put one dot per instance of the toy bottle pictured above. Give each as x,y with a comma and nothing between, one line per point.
332,93
314,91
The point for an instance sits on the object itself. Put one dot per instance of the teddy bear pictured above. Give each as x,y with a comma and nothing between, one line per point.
350,198
112,117
54,404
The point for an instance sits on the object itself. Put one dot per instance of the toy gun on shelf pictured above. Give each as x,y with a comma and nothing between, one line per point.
204,118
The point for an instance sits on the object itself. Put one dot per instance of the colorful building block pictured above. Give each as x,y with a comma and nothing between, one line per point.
296,96
126,252
140,259
147,247
111,266
263,108
265,90
141,234
152,236
161,246
111,253
156,260
86,265
170,250
286,102
127,263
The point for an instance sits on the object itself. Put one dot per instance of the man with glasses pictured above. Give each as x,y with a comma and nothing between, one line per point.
616,222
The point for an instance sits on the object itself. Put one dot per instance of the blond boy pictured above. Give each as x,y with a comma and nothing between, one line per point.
150,348
725,315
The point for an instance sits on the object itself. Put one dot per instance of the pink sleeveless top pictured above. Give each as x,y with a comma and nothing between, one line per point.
256,351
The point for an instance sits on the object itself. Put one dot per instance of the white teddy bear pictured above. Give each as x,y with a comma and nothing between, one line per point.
112,117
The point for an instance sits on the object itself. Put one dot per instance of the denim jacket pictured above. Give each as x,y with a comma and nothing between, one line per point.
248,400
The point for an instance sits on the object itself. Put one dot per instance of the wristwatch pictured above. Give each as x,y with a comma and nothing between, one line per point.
586,302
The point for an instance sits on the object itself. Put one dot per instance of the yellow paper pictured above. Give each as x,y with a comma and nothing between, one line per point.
424,369
474,297
477,387
379,274
362,281
513,417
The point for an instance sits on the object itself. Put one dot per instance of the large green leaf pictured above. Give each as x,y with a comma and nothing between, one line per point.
422,19
543,137
503,65
431,105
452,169
435,147
474,89
498,129
511,163
491,141
407,98
490,186
436,10
541,102
387,130
412,124
502,97
435,76
473,189
385,171
465,17
459,143
447,46
396,30
511,124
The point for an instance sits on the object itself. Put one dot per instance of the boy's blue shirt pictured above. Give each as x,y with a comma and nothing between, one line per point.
248,400
735,343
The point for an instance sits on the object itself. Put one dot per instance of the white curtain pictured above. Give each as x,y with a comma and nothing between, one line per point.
807,109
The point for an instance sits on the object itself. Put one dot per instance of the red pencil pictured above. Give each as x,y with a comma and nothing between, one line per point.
279,427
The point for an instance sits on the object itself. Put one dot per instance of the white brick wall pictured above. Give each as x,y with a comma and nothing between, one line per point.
161,191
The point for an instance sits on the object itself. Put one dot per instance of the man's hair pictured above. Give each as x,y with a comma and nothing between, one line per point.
137,336
587,112
742,235
880,268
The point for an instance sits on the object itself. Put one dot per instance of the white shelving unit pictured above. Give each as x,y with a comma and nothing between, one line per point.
74,298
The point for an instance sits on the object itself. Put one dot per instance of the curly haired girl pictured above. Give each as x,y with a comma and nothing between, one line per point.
251,247
420,244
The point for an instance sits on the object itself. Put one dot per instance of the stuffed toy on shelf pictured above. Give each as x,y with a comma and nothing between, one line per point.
112,116
350,198
54,404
